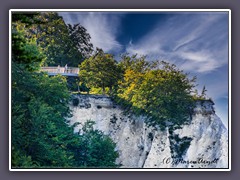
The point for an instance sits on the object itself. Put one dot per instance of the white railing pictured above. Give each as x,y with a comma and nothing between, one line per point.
60,70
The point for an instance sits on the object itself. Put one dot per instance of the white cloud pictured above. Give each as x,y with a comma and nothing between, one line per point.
200,61
102,28
198,27
196,43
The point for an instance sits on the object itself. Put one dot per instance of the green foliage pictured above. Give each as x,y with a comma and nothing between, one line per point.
136,63
39,108
97,150
41,136
83,88
99,91
20,160
159,90
61,44
134,70
28,18
40,133
53,36
179,145
72,83
202,96
25,51
81,40
100,71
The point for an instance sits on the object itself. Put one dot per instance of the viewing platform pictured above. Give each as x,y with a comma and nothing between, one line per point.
53,71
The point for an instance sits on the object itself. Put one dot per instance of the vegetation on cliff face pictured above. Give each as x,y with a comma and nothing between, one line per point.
157,89
97,149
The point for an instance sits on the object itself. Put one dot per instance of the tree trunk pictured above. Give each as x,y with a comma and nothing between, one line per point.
110,89
103,89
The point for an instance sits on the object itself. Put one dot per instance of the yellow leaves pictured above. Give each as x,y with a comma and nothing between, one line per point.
132,78
156,91
128,74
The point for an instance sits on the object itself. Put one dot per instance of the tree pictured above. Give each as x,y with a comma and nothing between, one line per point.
159,90
53,36
25,50
39,129
203,94
133,69
166,97
62,44
97,149
100,71
81,40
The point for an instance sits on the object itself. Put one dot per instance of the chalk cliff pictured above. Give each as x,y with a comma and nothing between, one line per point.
201,144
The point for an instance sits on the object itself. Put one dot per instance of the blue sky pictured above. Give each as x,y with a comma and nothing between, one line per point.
197,42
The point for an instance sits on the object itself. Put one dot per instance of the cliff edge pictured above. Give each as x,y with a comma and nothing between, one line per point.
201,144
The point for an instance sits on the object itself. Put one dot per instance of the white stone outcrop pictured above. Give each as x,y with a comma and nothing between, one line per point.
201,144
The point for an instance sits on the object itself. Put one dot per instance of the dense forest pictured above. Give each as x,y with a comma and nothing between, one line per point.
41,134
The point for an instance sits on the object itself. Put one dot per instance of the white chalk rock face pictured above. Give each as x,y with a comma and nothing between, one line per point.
201,144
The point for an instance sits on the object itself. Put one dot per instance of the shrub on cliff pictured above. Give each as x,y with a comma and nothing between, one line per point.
96,150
